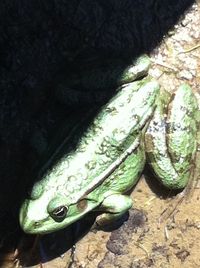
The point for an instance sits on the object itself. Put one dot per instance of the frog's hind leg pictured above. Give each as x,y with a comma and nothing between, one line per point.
171,148
113,206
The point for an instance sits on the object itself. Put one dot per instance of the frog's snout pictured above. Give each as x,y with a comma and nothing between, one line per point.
31,219
22,215
24,222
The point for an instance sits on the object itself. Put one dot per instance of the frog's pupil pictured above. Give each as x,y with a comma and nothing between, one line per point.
60,212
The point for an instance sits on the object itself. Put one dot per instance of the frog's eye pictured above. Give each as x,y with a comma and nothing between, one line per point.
59,213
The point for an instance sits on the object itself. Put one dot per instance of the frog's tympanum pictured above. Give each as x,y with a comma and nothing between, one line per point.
140,123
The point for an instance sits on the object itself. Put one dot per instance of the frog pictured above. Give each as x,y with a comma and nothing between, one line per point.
140,124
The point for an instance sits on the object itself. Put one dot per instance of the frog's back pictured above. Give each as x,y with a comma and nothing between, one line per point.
107,140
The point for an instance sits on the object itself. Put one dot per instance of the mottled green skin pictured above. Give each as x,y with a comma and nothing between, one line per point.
110,157
181,134
170,139
110,147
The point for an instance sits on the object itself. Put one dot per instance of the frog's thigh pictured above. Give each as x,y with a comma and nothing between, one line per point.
115,206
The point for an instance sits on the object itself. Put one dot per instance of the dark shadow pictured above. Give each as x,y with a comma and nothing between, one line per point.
42,45
55,244
52,245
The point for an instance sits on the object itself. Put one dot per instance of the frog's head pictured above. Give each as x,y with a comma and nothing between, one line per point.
49,211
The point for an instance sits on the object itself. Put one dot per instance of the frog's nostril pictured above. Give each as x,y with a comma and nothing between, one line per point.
36,224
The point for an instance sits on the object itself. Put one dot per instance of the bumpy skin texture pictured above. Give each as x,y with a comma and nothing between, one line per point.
109,148
182,129
110,157
170,139
37,39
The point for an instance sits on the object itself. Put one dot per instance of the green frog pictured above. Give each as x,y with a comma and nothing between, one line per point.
140,123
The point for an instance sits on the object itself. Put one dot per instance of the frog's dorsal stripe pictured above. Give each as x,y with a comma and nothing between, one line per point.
107,172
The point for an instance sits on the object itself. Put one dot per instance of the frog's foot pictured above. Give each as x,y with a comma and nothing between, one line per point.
115,206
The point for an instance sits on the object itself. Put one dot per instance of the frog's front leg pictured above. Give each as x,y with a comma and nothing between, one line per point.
113,206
